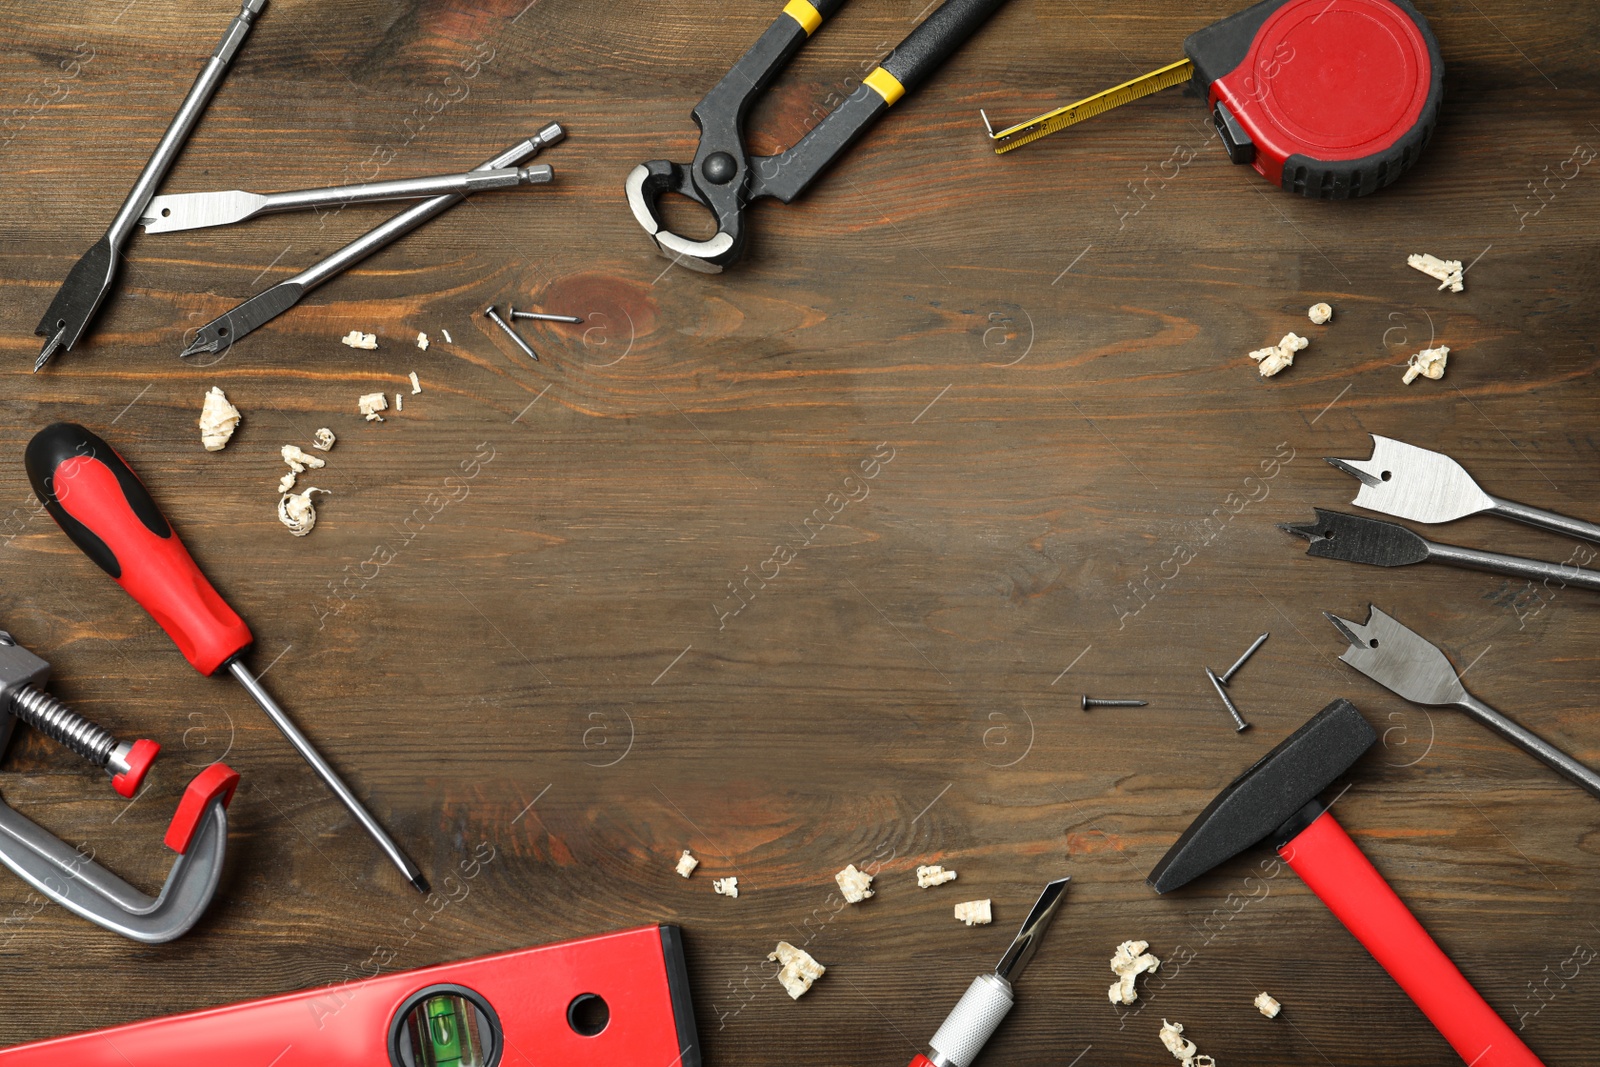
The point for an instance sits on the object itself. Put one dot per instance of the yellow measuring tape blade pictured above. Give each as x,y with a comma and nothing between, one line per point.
1090,106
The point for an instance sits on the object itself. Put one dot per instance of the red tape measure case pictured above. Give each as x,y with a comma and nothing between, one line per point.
1332,99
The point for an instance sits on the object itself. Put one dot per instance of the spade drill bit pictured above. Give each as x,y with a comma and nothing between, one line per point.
90,280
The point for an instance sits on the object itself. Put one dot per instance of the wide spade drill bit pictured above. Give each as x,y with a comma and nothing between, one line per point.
90,280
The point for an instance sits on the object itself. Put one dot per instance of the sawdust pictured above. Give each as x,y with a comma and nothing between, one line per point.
686,864
296,512
1447,271
1429,363
1267,1005
928,877
357,339
728,887
855,885
1270,361
323,440
1130,961
796,969
218,420
975,912
370,404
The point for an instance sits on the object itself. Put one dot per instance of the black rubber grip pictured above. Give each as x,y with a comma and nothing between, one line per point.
62,441
1222,46
678,989
826,7
927,47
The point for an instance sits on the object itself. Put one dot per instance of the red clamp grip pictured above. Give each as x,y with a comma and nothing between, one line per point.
217,780
108,513
140,756
1338,872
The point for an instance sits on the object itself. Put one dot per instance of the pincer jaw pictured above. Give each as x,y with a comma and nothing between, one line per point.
644,186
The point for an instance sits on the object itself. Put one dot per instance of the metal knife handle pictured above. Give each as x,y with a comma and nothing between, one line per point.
1532,569
410,219
189,112
400,189
1532,744
970,1023
1545,520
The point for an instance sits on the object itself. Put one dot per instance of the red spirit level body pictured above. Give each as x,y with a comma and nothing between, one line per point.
612,1000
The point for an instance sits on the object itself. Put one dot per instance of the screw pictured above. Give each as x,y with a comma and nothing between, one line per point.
1233,670
541,316
494,317
1223,693
1091,702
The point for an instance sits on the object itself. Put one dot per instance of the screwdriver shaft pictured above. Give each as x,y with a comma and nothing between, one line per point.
331,778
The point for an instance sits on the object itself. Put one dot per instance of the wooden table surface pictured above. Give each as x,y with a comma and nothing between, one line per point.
809,564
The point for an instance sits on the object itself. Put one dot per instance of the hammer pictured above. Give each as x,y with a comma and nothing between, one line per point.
1277,799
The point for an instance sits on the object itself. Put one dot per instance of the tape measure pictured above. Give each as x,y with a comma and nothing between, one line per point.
1331,99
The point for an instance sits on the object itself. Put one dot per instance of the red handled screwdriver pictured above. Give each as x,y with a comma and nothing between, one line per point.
101,504
1331,99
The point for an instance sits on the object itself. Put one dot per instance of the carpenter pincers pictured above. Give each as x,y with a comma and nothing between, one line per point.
724,178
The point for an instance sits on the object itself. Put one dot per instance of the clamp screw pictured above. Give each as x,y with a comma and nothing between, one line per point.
1091,702
719,168
126,762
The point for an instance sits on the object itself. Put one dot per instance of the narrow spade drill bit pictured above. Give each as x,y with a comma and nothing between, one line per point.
90,281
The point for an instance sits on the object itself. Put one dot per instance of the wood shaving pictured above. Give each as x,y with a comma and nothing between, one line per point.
796,969
357,339
1130,961
295,511
399,401
323,440
1319,313
687,863
416,386
1270,361
372,403
286,483
728,887
1182,1049
298,461
1429,363
447,338
928,877
855,885
1448,271
1267,1005
975,913
218,420
422,341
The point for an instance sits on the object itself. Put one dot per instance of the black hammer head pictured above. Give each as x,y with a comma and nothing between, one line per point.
1268,794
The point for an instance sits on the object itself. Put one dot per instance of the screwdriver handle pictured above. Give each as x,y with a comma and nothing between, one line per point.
101,504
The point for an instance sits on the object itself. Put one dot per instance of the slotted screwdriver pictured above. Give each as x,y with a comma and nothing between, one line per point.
107,512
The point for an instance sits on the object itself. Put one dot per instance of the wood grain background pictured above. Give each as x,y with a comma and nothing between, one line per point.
548,660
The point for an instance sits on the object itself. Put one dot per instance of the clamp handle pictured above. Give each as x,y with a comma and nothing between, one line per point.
101,504
1337,871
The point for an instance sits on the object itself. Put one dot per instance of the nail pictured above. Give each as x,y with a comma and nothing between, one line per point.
1091,702
1223,693
541,316
494,317
1233,670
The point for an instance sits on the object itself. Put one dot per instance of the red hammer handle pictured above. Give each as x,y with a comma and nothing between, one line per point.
1337,871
